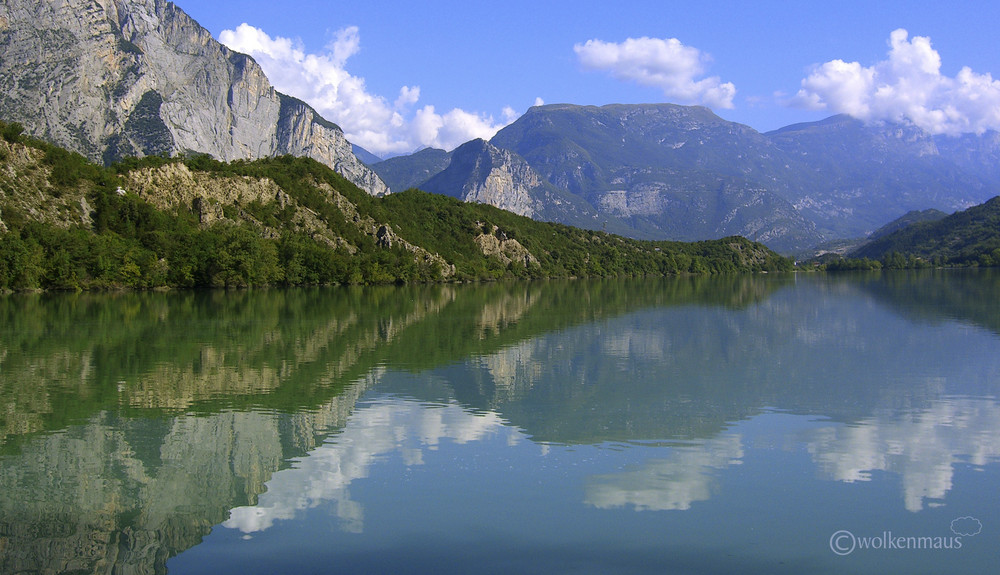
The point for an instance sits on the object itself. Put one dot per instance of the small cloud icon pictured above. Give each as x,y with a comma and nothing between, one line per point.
966,526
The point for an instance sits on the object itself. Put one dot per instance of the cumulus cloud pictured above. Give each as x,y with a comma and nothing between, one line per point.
666,64
368,120
906,87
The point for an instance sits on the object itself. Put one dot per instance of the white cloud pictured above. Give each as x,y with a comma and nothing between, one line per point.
662,63
369,120
906,87
407,96
539,101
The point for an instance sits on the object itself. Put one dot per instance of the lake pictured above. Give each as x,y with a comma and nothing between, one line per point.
806,423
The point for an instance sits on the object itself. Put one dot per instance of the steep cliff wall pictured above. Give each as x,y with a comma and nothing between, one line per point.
480,172
117,78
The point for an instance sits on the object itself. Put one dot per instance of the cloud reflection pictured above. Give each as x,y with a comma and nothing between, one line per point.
923,447
386,426
667,484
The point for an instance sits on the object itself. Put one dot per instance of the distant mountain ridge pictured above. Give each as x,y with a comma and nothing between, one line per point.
853,178
666,171
663,171
116,78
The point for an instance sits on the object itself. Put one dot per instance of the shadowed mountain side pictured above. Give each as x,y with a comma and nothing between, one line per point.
968,237
480,172
405,172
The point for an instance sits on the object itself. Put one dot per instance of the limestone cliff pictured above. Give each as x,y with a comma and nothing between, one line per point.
117,78
480,172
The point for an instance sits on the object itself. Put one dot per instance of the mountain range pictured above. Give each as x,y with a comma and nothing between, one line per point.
681,172
111,79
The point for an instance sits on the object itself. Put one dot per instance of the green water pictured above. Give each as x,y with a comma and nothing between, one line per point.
767,424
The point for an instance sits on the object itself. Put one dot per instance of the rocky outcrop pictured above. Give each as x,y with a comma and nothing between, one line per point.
496,244
480,172
117,78
25,188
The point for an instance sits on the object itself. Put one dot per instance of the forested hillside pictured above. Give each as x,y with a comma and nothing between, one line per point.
66,223
969,237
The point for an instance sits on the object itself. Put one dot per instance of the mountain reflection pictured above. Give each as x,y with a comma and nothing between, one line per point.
825,348
133,423
68,357
121,494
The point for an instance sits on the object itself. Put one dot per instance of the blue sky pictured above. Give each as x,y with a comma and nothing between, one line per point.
399,76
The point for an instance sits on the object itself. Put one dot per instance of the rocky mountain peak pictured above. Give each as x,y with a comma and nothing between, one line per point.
117,78
481,172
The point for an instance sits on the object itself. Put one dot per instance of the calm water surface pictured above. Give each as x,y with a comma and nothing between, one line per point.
769,424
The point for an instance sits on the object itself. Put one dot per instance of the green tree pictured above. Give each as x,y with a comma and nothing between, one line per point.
12,132
245,259
21,263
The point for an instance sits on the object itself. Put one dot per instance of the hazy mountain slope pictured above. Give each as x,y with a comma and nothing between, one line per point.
669,171
858,177
404,172
908,219
367,158
978,154
117,78
681,172
586,149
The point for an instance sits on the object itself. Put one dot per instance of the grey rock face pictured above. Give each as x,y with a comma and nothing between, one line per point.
115,78
661,171
480,172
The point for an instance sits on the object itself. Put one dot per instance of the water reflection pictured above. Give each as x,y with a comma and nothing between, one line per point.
121,493
374,431
826,348
922,447
134,423
67,357
667,484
